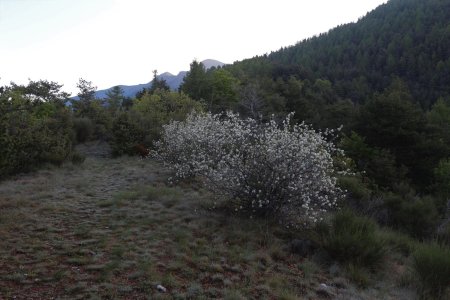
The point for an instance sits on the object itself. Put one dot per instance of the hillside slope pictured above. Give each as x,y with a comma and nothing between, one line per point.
409,39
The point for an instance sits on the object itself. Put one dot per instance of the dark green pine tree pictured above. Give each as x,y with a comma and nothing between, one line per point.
114,98
86,96
195,83
158,83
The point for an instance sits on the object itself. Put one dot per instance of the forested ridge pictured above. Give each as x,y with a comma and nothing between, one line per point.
407,39
385,79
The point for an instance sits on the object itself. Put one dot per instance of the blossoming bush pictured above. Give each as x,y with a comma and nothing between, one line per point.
266,169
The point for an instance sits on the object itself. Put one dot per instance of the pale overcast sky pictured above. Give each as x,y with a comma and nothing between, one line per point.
112,42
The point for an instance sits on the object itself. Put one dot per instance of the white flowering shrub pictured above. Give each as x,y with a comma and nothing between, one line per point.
265,169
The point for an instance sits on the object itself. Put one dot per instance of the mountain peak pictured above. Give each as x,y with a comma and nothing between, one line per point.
165,74
209,63
173,81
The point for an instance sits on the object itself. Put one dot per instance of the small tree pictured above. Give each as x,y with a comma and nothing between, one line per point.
158,83
115,97
86,95
43,91
155,110
195,83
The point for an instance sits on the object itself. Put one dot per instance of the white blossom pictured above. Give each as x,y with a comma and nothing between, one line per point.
266,169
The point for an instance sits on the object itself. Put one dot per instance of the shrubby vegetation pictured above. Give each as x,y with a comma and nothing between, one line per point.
143,123
384,79
265,168
36,127
126,133
352,239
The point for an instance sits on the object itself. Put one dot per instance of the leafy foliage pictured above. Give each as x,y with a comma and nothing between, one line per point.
217,88
411,213
34,128
404,38
352,239
152,111
114,98
143,123
126,134
84,129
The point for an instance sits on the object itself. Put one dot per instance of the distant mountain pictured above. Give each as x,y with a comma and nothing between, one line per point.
173,81
209,63
128,90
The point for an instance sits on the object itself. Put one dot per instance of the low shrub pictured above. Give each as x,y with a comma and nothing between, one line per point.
84,129
54,138
356,189
378,164
352,239
412,214
431,262
399,242
126,134
363,198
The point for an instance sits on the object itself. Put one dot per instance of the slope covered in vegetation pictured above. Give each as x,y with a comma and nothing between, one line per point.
382,80
408,39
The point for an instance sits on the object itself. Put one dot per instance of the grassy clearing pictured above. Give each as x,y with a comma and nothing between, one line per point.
112,228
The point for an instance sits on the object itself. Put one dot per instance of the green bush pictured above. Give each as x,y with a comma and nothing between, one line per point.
398,241
32,133
412,214
157,109
356,189
99,115
84,129
352,239
54,138
126,134
378,164
361,198
143,123
431,262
